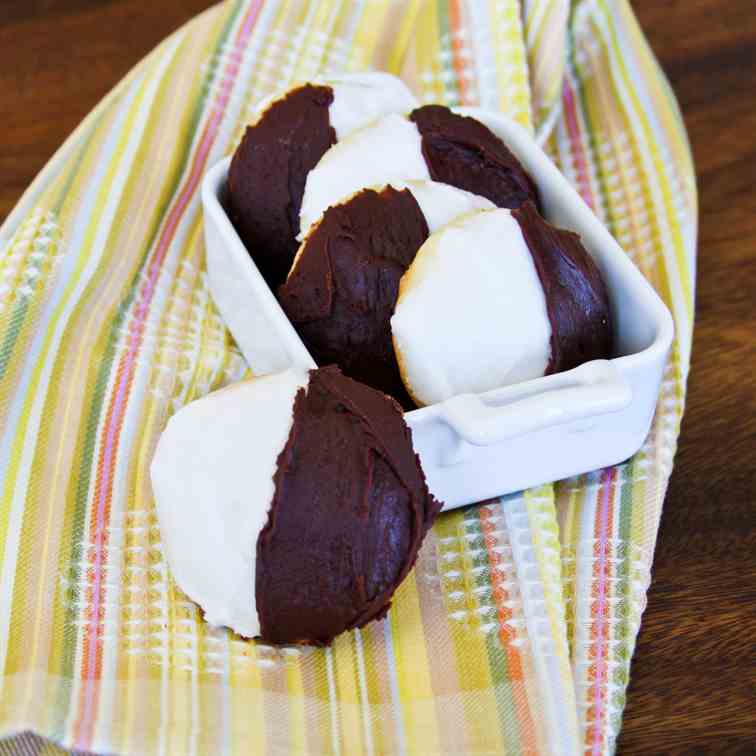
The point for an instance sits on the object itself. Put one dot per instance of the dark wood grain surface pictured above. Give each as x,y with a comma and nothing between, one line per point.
693,683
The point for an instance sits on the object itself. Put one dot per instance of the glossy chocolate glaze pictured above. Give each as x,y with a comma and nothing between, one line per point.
349,513
267,176
576,298
341,294
461,151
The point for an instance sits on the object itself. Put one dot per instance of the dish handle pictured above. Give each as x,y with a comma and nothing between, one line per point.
595,388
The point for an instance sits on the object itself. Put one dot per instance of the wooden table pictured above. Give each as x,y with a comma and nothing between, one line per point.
692,686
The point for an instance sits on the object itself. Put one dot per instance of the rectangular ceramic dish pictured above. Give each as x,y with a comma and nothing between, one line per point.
474,447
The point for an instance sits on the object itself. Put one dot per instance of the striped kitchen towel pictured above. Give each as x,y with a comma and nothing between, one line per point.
515,630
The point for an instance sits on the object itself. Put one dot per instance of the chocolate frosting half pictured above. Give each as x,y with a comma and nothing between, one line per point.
461,151
267,176
576,298
341,293
348,516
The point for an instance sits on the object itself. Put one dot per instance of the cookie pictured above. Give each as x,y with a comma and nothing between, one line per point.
291,506
496,298
292,132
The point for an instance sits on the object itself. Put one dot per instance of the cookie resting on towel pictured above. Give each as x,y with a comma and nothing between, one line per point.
292,505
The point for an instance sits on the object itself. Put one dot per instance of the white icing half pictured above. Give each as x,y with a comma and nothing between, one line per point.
388,149
262,106
212,476
471,314
360,98
441,203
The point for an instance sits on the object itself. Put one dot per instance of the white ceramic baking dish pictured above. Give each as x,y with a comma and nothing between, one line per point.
474,447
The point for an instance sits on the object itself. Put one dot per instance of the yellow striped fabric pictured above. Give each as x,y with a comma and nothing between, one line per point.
515,630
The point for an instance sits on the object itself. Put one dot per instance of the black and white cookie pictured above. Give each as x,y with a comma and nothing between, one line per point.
498,297
293,131
292,505
343,286
431,143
